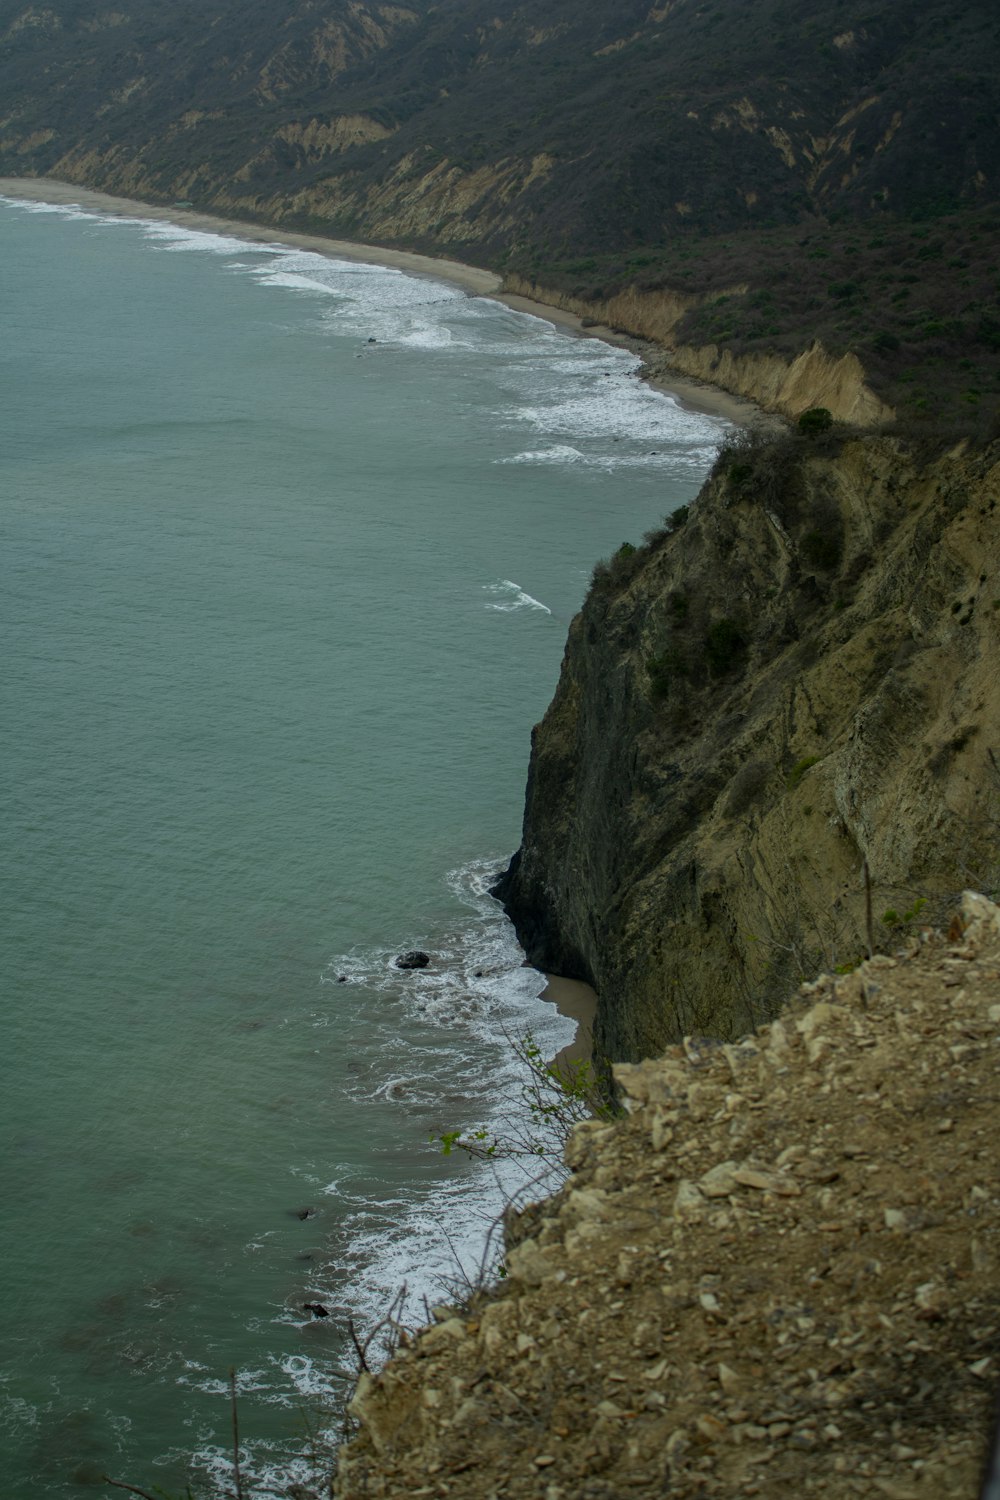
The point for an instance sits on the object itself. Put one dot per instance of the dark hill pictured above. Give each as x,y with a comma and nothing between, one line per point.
586,145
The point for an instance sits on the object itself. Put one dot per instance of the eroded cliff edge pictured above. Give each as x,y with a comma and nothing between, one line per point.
798,679
776,1276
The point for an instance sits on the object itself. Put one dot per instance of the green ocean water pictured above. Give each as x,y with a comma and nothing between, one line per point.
280,606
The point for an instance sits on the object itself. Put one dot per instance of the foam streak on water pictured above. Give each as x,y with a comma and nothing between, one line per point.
287,550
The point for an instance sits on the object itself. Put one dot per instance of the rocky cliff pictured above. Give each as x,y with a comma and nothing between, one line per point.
777,1276
789,385
793,682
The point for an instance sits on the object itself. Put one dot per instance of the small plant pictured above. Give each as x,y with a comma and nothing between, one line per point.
555,1096
800,768
892,918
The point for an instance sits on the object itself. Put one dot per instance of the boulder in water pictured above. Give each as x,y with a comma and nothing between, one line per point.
415,959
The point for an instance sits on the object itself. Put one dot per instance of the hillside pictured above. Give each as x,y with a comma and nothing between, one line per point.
689,148
777,1276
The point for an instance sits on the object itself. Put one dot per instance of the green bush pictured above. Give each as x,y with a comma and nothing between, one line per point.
725,647
663,671
816,419
821,549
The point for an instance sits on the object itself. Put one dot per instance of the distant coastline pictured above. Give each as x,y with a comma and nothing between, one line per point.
695,395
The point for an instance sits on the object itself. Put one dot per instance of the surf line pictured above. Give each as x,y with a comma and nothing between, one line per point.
521,599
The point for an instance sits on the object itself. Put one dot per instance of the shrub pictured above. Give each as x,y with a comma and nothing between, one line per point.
725,647
679,605
821,549
663,671
816,419
554,1097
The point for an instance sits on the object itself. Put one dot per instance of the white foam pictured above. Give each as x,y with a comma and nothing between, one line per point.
17,1414
513,597
428,1236
175,237
295,282
263,1465
61,210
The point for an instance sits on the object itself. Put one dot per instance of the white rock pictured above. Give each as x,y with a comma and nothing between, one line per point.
689,1203
718,1181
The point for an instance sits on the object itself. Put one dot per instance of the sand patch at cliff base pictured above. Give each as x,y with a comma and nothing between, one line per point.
577,1001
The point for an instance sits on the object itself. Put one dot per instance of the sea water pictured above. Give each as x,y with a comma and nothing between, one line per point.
289,549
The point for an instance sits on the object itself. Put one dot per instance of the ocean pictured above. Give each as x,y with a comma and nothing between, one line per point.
289,550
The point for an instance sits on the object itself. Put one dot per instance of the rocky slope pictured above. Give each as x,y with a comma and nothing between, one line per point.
777,1276
798,680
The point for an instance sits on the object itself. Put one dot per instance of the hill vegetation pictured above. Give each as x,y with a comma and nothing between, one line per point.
702,146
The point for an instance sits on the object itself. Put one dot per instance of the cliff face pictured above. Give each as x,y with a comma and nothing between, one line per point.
787,385
777,1275
798,679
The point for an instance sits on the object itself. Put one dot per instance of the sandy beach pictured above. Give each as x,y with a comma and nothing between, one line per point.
693,394
577,1001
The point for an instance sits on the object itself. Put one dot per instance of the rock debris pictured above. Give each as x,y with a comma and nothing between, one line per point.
777,1275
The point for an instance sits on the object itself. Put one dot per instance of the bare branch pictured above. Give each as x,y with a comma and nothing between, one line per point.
236,1434
131,1488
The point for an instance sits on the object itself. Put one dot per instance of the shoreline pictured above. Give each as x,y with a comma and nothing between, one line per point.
693,395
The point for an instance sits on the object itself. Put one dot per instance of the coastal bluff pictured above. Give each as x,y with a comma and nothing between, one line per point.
793,681
776,1275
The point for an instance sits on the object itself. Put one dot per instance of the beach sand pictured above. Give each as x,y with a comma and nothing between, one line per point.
577,1001
695,395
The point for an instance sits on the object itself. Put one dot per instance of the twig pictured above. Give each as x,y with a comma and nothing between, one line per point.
132,1489
359,1348
236,1434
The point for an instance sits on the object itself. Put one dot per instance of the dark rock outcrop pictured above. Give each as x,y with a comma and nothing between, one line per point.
415,959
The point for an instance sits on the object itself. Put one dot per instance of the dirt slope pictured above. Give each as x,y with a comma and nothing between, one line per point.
778,1276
